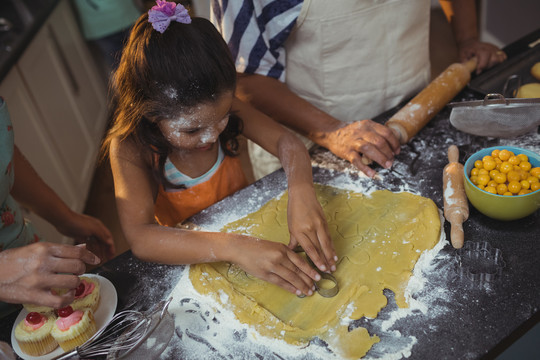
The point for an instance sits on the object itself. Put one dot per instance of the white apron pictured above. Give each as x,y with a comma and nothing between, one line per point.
354,59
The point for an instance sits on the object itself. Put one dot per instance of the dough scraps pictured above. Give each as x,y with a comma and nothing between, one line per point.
378,239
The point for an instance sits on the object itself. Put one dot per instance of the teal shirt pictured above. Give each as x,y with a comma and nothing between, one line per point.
100,18
15,230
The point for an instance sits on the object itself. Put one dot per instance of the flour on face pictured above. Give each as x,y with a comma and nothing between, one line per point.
199,126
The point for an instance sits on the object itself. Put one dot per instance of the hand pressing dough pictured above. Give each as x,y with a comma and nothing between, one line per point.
535,71
531,90
378,239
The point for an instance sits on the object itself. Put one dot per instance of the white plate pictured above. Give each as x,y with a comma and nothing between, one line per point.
104,313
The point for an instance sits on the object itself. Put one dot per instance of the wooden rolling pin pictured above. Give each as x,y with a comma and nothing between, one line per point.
410,119
456,207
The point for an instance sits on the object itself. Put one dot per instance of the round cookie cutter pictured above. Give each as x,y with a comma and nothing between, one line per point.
479,262
323,291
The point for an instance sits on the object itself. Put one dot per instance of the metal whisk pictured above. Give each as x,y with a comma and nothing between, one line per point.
131,325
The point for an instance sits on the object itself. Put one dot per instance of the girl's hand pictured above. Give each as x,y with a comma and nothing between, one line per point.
87,229
309,229
28,273
277,264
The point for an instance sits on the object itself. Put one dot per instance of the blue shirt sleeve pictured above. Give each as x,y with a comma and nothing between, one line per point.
256,32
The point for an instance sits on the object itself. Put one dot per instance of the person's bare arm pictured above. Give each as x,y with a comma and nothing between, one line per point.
135,191
463,18
306,219
33,193
348,141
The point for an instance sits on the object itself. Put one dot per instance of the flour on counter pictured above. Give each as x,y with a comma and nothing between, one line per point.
528,141
205,329
203,326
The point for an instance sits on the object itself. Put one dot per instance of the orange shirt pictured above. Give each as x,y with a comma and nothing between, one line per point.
173,207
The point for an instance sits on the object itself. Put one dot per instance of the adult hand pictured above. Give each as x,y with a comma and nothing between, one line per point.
277,264
87,229
28,273
487,54
365,137
309,229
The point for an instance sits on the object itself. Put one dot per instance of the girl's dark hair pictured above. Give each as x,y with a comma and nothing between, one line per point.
163,74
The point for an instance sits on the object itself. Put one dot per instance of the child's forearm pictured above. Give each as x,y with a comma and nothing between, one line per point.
295,161
175,246
306,219
267,260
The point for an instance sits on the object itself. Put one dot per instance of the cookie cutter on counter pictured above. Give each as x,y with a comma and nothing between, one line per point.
323,291
479,262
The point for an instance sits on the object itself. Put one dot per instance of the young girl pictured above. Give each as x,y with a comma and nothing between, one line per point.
172,150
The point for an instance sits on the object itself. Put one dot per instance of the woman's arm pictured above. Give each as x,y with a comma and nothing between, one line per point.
33,193
28,273
348,141
135,191
306,219
463,19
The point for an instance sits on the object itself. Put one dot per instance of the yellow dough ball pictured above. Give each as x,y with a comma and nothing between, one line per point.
535,71
531,90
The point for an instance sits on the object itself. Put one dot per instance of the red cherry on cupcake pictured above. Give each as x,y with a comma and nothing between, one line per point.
65,312
80,289
33,318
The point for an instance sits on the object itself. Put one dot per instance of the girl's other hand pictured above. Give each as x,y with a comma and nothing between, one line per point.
28,273
87,229
309,229
277,264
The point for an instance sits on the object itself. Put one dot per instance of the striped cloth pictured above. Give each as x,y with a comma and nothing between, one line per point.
256,31
177,178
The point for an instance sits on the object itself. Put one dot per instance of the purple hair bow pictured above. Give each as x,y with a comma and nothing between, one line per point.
161,15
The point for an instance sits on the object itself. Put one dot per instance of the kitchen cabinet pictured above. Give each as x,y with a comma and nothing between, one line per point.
57,101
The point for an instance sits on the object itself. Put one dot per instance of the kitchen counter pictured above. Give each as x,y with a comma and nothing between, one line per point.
462,319
21,20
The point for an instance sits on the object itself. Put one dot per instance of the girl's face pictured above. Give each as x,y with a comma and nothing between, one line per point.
198,128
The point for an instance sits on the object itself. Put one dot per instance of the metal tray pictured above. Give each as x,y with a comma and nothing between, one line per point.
494,79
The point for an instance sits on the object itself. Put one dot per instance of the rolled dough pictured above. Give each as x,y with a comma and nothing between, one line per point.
378,239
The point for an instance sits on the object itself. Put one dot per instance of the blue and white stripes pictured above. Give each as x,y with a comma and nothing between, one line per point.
256,31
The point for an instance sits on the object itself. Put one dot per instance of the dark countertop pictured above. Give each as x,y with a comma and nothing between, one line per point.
25,17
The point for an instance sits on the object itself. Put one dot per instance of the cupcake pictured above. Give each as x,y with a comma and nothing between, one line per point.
73,327
33,334
87,295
